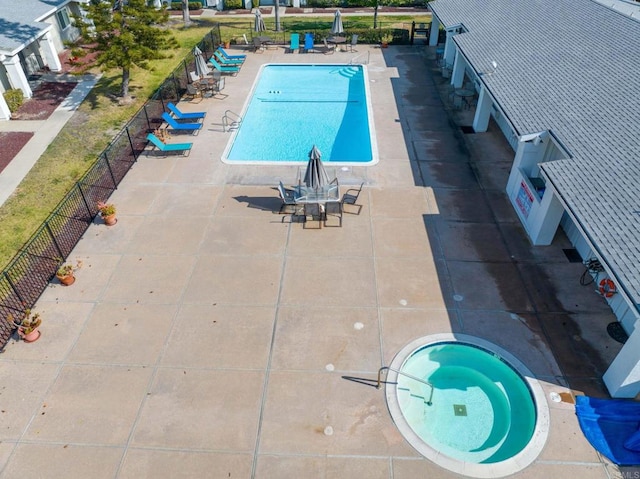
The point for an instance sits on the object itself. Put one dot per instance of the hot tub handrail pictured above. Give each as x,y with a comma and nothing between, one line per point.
402,373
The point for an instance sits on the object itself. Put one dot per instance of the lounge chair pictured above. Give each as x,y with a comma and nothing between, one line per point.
180,126
194,77
224,62
224,69
184,147
294,42
308,42
180,115
231,57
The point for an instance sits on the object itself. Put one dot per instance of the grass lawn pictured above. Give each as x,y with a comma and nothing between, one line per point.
101,117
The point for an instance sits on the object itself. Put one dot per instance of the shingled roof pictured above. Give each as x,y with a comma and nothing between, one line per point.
20,22
571,67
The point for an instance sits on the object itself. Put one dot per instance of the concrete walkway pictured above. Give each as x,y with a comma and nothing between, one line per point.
44,132
204,337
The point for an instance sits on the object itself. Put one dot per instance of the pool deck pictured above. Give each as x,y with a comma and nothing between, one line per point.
204,337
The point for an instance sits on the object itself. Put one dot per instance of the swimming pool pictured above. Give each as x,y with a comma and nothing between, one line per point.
295,106
467,405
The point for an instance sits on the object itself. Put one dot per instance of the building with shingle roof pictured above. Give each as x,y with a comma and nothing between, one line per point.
32,33
561,79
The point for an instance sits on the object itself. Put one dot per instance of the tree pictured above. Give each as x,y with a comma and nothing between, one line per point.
124,34
185,13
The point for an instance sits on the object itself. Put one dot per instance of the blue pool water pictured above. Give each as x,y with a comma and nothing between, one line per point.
292,107
482,410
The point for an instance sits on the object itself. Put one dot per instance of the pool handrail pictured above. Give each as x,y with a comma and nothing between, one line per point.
402,373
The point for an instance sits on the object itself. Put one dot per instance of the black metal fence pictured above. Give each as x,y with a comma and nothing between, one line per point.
30,271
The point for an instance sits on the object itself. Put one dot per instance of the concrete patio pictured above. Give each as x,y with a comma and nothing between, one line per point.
204,337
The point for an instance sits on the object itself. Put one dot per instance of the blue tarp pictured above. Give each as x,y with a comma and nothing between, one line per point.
608,424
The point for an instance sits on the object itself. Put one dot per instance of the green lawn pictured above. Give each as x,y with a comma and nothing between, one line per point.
100,117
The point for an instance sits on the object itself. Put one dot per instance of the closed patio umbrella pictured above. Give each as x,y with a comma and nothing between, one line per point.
315,176
258,24
336,28
201,64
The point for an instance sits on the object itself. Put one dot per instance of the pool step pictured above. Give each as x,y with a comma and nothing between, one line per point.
412,405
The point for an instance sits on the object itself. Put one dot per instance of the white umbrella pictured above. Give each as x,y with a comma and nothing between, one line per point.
315,176
201,64
337,23
258,24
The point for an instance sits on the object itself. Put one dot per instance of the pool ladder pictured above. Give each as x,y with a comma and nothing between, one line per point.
377,383
230,121
360,59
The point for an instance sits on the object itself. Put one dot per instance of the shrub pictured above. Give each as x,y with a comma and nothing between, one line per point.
14,99
192,5
233,4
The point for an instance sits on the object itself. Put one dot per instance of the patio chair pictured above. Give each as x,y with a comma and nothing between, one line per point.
326,49
294,42
184,147
193,92
233,70
174,125
194,77
288,200
350,198
308,42
257,45
354,42
226,62
233,57
180,115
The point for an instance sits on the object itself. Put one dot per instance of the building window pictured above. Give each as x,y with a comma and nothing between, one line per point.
63,18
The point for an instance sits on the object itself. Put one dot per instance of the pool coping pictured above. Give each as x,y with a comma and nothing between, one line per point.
375,157
499,469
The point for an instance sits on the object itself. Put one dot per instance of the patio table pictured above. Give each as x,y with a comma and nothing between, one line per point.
318,197
337,41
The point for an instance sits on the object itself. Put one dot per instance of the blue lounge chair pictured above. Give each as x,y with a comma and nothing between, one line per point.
232,57
179,115
184,147
180,126
225,62
308,42
224,69
294,42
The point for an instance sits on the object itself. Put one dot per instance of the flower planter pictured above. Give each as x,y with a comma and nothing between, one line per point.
67,279
29,337
110,220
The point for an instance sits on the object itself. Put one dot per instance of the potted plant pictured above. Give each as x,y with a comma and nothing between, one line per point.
385,39
108,213
28,326
65,273
226,44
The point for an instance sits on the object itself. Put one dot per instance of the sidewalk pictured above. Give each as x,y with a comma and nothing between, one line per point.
44,132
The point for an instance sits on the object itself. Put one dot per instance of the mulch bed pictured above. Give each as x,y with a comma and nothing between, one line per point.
12,142
46,98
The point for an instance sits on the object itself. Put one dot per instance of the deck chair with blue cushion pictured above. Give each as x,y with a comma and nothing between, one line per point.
181,115
222,68
294,42
308,42
174,125
184,147
232,57
224,62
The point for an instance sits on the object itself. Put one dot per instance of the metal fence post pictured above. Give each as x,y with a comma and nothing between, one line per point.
54,240
106,159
